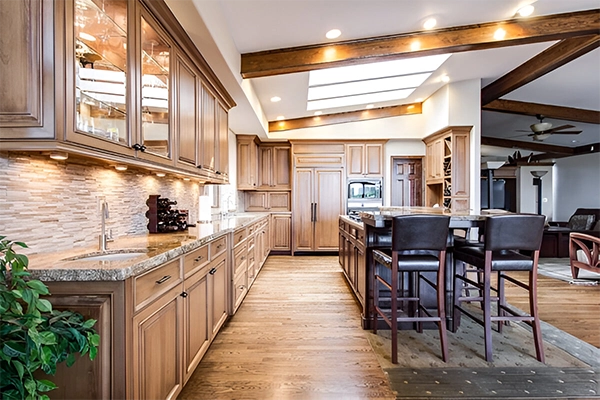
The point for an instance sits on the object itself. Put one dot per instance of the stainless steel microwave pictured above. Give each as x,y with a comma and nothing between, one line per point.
362,189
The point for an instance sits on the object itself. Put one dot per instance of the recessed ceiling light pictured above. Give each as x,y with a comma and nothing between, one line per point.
419,100
160,174
573,141
59,155
275,99
280,118
445,78
333,34
318,112
526,11
499,34
121,167
430,23
369,106
87,36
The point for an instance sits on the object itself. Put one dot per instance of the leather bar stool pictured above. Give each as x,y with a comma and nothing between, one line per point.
418,245
511,243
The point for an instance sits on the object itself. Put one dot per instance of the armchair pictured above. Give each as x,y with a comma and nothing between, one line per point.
584,253
555,242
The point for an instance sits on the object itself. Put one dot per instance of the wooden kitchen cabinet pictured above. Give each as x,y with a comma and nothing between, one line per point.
281,232
119,90
274,166
364,159
447,163
352,256
247,162
196,316
267,201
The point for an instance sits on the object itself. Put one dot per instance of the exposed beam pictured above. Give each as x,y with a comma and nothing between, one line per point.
448,40
549,111
548,60
533,146
340,118
577,151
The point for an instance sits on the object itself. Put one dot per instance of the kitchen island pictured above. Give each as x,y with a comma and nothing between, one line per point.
159,299
375,233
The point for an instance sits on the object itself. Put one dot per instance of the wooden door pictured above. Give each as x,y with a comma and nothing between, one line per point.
218,296
265,166
195,310
407,182
302,216
246,162
374,159
329,199
186,114
281,167
355,159
281,232
156,348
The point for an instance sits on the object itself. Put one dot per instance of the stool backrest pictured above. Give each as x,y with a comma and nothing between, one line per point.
514,232
420,232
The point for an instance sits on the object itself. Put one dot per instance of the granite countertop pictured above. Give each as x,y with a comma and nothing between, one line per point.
378,218
357,224
156,248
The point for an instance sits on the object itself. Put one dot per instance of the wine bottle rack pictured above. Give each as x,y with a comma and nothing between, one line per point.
162,218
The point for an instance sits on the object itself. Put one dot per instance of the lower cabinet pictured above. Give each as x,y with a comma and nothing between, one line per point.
196,313
352,257
281,232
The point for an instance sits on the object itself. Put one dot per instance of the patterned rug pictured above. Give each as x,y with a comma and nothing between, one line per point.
559,268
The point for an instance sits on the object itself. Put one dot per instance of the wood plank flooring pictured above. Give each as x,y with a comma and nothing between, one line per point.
296,336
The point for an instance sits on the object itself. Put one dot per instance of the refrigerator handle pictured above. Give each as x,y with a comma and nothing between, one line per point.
312,215
315,212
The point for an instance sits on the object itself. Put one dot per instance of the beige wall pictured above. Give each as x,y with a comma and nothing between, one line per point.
53,205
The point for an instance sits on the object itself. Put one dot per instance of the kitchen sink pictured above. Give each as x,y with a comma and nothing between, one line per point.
116,255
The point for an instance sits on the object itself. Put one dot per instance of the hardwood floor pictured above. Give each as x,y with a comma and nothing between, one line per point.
571,308
297,335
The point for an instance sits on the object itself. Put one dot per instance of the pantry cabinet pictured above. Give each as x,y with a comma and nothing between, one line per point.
117,80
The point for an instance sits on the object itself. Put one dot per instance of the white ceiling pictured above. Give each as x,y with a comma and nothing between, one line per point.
257,25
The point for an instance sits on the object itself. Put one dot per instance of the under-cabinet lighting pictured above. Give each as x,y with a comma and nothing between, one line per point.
275,99
87,36
59,155
160,174
333,34
318,112
430,23
499,34
186,179
121,167
369,106
280,118
416,45
526,11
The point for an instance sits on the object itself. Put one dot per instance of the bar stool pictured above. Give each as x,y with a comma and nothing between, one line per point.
418,245
511,243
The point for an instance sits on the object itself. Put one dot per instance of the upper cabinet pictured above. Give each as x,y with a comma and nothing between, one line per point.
364,159
122,77
274,166
247,164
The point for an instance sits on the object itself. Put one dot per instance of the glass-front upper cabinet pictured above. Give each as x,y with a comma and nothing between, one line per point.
155,89
100,70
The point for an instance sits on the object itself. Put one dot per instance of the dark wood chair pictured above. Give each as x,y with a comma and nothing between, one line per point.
584,253
418,245
511,243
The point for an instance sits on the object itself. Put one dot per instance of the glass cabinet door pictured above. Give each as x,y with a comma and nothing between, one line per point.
155,66
100,28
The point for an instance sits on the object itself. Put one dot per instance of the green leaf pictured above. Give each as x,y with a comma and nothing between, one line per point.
44,397
13,349
44,305
70,359
94,339
34,335
48,338
93,353
38,286
17,293
30,386
19,367
44,385
46,355
89,323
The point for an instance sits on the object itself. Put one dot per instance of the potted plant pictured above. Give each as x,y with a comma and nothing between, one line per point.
33,336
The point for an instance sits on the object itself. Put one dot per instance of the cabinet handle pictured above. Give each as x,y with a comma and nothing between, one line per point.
242,287
312,215
163,279
219,246
139,147
243,258
315,212
212,271
184,295
198,258
218,172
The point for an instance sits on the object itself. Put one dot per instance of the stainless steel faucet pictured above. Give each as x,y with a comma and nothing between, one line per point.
103,238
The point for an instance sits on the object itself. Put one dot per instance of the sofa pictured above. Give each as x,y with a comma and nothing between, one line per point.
555,242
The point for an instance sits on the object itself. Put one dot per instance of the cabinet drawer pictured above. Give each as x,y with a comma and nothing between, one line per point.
240,288
217,246
241,259
156,282
251,229
239,236
195,259
251,241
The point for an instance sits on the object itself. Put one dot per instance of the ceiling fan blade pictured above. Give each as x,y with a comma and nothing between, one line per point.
565,133
523,130
558,128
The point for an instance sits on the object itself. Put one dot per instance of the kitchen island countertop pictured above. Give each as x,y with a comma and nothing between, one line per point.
156,248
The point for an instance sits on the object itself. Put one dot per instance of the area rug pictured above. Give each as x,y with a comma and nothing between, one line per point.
514,374
560,268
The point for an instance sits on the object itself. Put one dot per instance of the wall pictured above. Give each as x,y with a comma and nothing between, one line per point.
576,184
54,205
527,192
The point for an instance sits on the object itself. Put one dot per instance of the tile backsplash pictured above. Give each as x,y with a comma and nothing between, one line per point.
54,205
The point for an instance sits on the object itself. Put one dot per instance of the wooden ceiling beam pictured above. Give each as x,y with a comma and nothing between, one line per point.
447,40
532,146
548,60
549,111
341,118
577,151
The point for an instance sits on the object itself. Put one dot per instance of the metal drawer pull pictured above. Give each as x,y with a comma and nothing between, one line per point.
198,258
243,258
163,279
242,287
219,246
184,294
212,271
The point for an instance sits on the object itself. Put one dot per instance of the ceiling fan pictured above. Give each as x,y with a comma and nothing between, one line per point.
542,130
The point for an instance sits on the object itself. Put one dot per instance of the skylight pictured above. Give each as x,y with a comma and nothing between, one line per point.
369,83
